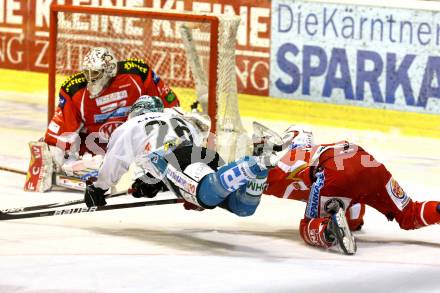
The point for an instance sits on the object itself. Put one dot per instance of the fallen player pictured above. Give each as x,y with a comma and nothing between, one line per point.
168,146
341,176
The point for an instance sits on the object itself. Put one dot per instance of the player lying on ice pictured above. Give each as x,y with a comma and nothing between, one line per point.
168,148
334,178
92,103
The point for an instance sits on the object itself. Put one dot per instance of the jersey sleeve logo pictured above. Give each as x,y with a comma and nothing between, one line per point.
156,77
74,83
312,210
134,66
397,194
170,97
396,189
61,102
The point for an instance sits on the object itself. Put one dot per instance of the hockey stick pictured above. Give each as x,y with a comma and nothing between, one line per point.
55,205
201,82
2,168
82,210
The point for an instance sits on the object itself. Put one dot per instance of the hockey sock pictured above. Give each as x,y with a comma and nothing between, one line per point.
431,212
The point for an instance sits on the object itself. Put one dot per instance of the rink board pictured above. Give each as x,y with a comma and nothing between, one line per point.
291,111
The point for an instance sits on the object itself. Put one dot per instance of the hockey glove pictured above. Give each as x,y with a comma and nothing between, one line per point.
143,189
94,196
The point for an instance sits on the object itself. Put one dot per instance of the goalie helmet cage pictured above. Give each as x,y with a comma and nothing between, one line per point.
193,53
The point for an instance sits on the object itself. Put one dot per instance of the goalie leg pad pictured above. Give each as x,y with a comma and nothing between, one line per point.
39,175
83,168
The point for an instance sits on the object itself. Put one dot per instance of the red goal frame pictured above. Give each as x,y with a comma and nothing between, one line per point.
161,15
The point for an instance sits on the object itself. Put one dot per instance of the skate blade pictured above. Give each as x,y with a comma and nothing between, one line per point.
346,240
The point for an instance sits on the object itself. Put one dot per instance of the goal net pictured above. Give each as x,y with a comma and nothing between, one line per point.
192,53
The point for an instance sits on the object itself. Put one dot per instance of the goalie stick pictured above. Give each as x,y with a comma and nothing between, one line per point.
55,205
82,210
201,83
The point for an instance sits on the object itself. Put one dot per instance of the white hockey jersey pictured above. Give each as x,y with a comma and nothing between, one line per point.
133,140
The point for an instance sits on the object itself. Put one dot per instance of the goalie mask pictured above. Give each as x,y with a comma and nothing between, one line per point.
298,136
146,104
98,67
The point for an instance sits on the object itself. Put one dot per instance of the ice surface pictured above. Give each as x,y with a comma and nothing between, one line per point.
168,249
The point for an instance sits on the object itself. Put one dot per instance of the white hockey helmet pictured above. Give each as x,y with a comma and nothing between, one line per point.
298,136
145,104
99,66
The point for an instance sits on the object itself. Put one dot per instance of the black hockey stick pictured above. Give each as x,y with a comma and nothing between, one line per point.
55,205
82,210
13,170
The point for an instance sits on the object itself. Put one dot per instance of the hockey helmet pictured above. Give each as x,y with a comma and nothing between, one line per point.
298,136
99,66
145,104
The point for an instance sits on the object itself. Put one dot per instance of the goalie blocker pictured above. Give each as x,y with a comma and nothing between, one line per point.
42,173
39,174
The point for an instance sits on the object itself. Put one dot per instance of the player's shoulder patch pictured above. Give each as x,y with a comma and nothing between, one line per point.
74,83
397,194
134,66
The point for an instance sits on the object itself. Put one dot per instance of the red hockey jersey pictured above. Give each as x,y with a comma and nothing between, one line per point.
347,173
94,119
292,176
